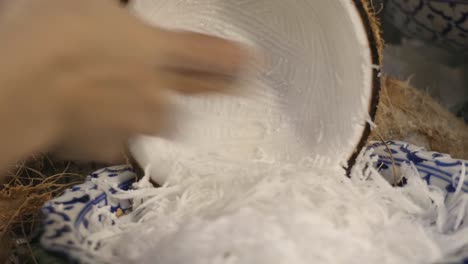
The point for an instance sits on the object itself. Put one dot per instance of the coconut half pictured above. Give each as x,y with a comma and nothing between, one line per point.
311,99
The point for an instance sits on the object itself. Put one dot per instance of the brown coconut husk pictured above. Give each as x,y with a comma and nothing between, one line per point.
372,12
407,114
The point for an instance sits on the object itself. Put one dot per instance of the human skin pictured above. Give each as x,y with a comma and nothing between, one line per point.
78,78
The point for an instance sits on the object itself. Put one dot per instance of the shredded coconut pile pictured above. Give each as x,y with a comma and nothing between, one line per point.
267,213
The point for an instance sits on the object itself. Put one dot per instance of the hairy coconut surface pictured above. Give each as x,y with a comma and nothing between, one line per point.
407,114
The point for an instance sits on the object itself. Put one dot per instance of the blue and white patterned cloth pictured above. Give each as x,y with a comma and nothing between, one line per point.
67,216
436,168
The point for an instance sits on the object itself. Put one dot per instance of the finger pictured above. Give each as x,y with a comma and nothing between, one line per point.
124,2
195,52
86,142
98,150
196,83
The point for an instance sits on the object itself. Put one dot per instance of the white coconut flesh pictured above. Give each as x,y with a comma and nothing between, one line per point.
309,100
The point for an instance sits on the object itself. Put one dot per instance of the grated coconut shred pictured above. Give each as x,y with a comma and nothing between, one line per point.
254,213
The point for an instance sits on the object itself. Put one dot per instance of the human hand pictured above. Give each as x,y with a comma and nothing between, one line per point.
80,77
